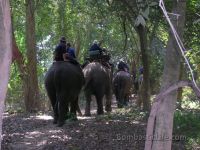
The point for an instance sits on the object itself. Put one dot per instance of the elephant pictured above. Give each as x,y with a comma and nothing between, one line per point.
122,87
97,83
63,83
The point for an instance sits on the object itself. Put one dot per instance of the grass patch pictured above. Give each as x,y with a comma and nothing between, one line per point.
128,113
187,123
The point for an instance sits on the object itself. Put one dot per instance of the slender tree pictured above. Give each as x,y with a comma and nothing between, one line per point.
165,107
31,89
5,53
145,89
140,25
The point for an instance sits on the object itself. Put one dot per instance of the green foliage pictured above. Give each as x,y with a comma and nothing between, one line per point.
14,100
189,101
192,34
188,125
130,113
84,21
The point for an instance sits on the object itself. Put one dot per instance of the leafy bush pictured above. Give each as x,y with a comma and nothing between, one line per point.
187,123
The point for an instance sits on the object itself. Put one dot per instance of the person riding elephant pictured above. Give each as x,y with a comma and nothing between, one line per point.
122,66
63,83
70,51
95,50
97,83
70,54
60,50
122,87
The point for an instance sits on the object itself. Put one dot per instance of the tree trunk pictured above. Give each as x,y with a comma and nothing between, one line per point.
164,116
78,45
62,27
144,96
31,89
18,57
5,53
133,68
180,90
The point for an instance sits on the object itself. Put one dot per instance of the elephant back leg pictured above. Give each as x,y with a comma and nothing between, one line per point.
108,107
116,92
78,110
120,102
73,108
126,99
88,101
51,92
63,108
99,99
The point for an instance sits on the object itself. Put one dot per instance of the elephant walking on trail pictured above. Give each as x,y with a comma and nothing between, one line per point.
122,87
97,83
63,83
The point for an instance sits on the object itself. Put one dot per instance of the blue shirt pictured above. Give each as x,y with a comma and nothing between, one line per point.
71,52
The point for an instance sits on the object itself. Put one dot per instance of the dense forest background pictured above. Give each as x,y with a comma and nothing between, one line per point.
134,31
84,21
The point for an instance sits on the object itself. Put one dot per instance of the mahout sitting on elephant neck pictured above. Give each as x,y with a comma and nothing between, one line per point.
103,59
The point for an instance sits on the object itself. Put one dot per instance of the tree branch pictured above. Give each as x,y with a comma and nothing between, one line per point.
156,105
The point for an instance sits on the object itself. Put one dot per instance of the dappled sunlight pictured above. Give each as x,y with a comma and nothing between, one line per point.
85,117
43,142
117,121
44,117
27,143
137,122
54,131
33,134
60,138
77,131
14,134
39,117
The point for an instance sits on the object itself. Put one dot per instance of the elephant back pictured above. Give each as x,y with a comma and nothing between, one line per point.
63,73
97,75
123,74
97,70
123,80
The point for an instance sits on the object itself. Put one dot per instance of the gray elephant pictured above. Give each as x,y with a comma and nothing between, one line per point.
63,83
122,87
97,83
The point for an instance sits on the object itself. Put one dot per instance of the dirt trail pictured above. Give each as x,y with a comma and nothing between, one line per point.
108,132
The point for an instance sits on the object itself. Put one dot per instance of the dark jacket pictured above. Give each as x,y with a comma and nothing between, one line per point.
141,70
95,47
59,51
122,66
